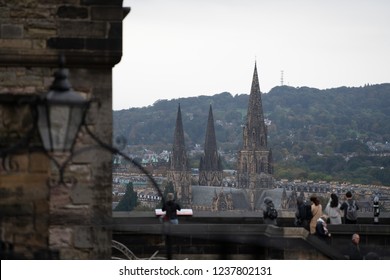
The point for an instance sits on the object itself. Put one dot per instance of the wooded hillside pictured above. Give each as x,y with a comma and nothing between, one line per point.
333,134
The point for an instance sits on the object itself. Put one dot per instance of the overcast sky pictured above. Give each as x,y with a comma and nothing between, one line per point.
183,48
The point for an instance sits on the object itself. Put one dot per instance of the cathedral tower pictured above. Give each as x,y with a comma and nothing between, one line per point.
210,167
179,172
254,166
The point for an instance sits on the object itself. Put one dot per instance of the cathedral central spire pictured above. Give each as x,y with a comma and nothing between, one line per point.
254,168
255,127
255,81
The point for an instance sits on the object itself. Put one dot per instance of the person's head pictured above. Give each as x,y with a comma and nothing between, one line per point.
348,195
170,196
334,200
267,200
355,238
299,200
315,200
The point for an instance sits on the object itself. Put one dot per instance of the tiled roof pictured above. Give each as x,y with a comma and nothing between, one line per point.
203,196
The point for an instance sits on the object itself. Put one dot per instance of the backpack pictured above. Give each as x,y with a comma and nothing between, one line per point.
351,213
272,213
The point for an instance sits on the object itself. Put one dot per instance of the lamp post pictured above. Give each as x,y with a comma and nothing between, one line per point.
58,116
61,113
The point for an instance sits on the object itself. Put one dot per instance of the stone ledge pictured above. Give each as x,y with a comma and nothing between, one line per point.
102,2
49,58
212,236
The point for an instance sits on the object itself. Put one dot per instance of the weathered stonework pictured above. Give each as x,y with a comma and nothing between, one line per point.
179,172
11,31
210,166
40,220
255,165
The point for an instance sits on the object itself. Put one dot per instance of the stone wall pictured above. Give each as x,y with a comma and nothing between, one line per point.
38,220
243,236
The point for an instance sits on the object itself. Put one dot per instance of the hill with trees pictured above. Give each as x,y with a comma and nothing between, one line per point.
338,134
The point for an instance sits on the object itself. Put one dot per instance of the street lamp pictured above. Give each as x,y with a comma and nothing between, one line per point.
61,113
58,116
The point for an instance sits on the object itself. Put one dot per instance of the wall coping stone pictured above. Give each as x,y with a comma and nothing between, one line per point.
49,58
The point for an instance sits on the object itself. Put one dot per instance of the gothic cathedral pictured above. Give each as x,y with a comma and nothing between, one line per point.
254,165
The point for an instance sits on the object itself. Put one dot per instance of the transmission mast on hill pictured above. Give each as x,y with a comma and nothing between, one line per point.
281,77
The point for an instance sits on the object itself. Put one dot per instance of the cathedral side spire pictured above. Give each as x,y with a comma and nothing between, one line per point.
179,160
210,145
210,169
179,172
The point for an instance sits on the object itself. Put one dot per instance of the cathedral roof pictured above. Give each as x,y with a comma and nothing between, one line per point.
203,196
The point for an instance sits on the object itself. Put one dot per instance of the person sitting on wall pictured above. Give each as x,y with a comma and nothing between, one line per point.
322,228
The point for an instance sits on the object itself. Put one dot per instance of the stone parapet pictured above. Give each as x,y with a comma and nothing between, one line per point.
227,239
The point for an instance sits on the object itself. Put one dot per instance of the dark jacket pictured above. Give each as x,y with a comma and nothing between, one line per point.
322,229
354,252
170,208
303,214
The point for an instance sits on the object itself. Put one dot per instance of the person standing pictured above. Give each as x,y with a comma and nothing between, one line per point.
303,214
333,211
354,252
269,212
350,208
316,210
171,207
376,209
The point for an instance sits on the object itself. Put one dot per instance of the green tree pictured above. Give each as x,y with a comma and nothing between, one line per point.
168,188
129,200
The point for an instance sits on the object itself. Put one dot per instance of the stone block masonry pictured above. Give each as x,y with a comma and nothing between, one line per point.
65,221
88,28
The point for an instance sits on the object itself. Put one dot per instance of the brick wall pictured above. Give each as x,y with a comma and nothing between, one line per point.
38,220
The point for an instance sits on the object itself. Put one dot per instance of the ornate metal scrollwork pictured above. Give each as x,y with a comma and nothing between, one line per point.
17,128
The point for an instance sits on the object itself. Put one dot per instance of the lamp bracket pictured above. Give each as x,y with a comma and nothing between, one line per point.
17,127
